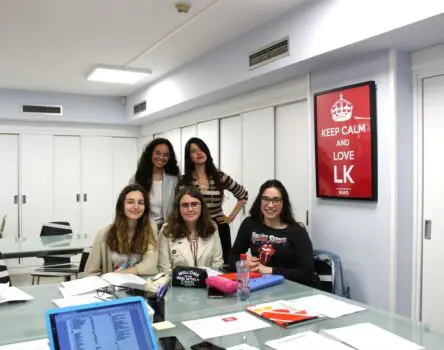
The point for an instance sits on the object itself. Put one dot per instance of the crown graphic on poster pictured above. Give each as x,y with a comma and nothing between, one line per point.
341,110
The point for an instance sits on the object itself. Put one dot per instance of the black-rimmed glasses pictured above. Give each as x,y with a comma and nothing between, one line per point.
274,200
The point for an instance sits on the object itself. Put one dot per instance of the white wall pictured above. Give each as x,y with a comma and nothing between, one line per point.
315,29
361,232
76,108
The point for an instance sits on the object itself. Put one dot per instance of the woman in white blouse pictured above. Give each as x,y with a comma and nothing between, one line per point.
190,238
157,172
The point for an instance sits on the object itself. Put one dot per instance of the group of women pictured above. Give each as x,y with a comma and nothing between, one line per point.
164,220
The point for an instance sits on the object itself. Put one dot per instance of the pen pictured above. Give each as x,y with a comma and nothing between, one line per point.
159,292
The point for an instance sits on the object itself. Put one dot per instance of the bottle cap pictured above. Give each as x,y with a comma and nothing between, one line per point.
243,256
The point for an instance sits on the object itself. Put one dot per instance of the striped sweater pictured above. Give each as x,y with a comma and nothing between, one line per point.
214,197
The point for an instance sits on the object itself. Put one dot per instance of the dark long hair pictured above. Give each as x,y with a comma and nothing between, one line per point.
210,169
144,172
177,228
117,236
286,213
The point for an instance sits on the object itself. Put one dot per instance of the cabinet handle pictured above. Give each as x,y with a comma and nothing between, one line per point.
306,217
428,229
15,199
24,199
78,197
85,197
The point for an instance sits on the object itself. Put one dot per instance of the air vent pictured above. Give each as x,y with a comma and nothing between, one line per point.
53,110
140,107
270,53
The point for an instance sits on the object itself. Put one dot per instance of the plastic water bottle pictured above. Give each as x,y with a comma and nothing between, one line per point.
243,278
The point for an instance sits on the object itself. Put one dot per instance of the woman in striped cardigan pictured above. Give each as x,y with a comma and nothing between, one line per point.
201,172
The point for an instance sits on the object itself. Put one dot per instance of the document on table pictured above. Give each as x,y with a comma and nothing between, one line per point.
242,347
324,305
80,300
12,294
366,336
306,341
41,344
219,326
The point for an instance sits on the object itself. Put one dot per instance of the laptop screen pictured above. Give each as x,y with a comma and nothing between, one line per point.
119,326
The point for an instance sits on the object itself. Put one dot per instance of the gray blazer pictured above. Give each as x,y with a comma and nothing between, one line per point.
169,184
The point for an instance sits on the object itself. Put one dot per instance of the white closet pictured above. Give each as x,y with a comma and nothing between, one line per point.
209,133
258,151
292,155
174,137
124,158
187,133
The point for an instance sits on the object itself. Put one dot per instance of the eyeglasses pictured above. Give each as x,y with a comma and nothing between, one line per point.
163,155
274,200
192,205
110,292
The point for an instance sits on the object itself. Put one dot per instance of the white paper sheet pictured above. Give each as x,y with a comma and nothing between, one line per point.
79,300
41,344
219,326
124,279
242,347
211,272
366,336
14,294
83,285
324,305
306,341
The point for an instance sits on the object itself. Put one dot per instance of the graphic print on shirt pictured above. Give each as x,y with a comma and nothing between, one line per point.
124,261
267,250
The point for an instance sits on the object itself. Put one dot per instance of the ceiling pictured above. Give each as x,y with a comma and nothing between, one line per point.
51,45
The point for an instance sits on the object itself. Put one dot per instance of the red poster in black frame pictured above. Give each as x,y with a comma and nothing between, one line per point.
346,142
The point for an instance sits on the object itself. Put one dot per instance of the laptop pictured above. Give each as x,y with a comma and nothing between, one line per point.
108,325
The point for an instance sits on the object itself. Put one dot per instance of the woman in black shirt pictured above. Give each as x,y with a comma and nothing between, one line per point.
279,245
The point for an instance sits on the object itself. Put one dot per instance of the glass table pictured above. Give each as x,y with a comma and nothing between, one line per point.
25,320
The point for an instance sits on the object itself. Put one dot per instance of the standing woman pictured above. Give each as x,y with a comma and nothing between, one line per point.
201,172
158,173
279,245
129,244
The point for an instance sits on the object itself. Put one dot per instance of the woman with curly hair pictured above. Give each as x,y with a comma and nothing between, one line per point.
190,238
157,172
129,244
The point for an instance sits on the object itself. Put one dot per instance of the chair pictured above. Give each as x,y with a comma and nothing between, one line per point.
2,226
67,273
4,274
328,267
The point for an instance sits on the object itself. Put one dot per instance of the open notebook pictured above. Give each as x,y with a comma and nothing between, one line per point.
92,283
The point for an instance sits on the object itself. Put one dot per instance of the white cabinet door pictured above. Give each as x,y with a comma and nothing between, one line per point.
209,133
37,183
143,142
292,155
124,163
433,257
231,163
67,180
258,150
9,170
187,133
97,184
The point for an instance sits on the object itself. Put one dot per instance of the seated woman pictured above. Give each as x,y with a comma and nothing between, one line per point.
190,238
279,245
129,244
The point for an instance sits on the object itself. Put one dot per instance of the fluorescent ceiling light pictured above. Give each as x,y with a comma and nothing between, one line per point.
117,75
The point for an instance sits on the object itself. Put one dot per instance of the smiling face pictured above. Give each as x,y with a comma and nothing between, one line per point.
190,208
160,156
197,156
271,203
134,205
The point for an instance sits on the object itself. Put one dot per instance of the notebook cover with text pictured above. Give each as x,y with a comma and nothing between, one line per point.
279,313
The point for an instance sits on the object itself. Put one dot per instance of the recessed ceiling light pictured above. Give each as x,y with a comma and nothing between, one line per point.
117,75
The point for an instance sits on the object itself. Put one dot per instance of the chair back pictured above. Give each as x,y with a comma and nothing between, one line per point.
84,259
4,274
57,228
328,267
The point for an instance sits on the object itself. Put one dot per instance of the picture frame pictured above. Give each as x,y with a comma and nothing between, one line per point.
346,142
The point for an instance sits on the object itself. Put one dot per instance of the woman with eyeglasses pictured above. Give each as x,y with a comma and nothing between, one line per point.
190,237
201,172
158,173
279,245
129,244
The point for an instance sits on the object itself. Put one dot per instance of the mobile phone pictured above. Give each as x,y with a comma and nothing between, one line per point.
215,293
170,343
206,345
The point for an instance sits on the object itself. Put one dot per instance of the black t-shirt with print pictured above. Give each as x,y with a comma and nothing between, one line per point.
288,251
